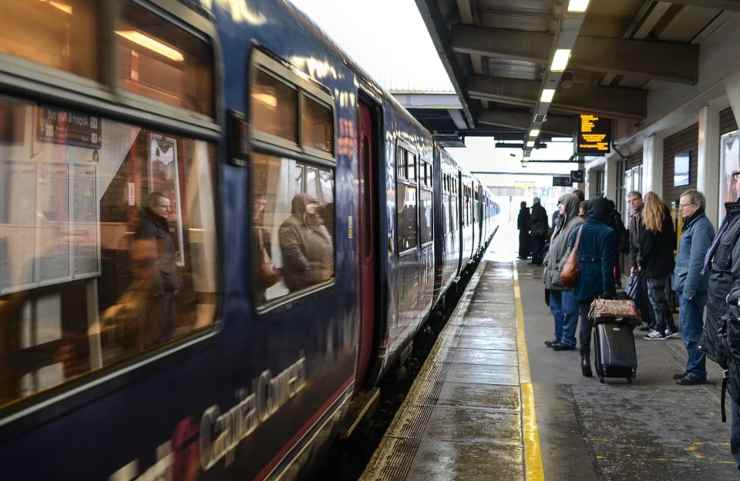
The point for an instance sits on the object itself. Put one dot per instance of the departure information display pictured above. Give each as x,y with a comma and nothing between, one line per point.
594,135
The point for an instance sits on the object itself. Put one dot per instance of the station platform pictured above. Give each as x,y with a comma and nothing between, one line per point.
492,402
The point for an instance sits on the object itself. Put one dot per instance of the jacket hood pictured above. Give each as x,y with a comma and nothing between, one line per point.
571,202
299,203
600,210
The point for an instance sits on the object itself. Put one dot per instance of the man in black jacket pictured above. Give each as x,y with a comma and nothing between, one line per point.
522,223
721,337
540,228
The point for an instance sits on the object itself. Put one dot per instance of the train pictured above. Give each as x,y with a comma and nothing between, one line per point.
217,235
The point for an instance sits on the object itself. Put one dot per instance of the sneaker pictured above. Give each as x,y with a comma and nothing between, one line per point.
563,347
655,336
670,334
691,380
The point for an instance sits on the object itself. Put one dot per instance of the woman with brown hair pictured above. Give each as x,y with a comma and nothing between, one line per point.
656,262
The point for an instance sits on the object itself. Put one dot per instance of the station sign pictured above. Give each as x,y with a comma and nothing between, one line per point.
577,176
594,135
561,181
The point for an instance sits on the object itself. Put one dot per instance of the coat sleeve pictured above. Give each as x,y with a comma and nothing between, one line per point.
733,314
647,245
701,241
290,246
608,260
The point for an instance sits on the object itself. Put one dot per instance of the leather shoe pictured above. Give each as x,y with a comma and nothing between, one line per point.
689,380
680,375
551,343
563,347
586,365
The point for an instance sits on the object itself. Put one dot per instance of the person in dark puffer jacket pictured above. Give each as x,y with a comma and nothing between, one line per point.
656,263
721,336
597,253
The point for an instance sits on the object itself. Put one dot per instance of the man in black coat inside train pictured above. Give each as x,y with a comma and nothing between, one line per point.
522,223
721,336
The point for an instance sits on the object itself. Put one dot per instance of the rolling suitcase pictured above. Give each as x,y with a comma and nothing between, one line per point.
615,354
614,350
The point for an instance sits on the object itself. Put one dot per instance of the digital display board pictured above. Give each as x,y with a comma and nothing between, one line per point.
594,135
561,181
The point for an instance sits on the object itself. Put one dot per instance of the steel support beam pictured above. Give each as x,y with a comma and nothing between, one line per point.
556,125
673,62
733,5
618,102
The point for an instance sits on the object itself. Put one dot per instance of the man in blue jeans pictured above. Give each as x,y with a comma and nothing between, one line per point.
690,283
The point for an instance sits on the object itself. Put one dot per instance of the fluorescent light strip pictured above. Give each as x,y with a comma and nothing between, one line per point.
151,44
530,143
560,60
534,132
547,95
579,6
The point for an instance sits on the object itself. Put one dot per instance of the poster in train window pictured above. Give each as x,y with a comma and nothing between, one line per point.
164,178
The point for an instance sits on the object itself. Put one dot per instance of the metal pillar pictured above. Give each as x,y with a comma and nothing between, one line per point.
707,179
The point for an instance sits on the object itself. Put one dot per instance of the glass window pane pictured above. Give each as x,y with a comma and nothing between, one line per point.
327,186
161,61
411,166
113,253
406,217
400,163
274,107
292,244
59,34
317,126
312,182
425,229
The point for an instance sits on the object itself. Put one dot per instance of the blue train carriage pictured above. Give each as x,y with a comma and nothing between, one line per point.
154,321
446,223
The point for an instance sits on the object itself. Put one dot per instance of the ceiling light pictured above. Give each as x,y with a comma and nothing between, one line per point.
530,143
560,60
547,95
534,132
578,5
151,43
63,7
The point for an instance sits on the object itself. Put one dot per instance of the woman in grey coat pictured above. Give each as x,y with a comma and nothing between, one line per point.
563,303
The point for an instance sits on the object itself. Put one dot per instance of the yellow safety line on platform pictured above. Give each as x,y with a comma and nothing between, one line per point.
533,467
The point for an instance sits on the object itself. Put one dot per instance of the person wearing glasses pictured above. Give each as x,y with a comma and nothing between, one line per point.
721,337
690,284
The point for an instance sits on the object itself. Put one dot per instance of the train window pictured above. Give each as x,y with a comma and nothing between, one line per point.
406,216
425,229
293,225
59,34
411,166
159,60
400,163
317,126
274,106
113,253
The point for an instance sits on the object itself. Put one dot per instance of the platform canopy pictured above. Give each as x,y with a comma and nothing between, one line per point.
530,66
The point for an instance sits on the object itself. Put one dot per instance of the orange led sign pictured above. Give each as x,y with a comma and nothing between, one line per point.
594,135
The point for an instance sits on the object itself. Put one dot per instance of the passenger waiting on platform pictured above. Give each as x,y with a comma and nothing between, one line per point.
522,223
721,337
583,208
615,222
579,193
690,283
306,246
563,303
596,258
539,228
656,263
634,229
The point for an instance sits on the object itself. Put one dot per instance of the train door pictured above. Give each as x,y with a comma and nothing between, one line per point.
367,153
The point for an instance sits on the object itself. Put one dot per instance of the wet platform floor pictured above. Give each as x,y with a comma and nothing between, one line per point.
470,413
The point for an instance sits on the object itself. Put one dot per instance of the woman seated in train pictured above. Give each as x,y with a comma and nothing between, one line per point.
306,245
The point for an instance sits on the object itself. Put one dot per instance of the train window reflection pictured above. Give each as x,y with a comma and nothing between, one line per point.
292,242
112,254
161,61
274,107
406,216
425,229
59,34
317,125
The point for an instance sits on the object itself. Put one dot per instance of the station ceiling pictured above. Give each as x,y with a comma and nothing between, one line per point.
499,54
